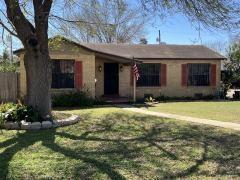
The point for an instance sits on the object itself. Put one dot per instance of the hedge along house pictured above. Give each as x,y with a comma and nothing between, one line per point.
106,69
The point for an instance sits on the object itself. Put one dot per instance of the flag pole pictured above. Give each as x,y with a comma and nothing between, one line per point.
134,86
134,89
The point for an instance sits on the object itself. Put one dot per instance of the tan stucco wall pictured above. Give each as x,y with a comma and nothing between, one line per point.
125,88
174,79
174,87
71,53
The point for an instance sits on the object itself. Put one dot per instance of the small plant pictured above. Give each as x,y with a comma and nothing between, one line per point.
149,99
18,112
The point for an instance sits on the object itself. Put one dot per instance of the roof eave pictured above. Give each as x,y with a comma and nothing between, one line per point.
223,58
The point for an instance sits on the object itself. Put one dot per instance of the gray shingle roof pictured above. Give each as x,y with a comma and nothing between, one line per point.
150,51
156,51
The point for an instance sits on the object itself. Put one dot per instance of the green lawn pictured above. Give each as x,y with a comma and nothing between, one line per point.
222,111
109,143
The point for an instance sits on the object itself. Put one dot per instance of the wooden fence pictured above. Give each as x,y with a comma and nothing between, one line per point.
9,85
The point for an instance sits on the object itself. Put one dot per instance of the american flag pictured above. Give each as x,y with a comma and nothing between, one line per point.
135,71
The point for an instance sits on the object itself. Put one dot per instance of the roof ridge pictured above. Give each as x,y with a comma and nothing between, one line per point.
128,44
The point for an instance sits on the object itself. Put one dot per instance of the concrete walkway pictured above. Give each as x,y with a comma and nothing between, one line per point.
229,125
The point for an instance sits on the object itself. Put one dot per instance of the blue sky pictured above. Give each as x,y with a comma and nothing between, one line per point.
175,30
178,30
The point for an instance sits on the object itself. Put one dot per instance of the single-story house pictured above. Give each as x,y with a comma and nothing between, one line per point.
106,69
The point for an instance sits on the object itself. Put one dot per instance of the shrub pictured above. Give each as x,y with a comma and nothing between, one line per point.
208,97
99,101
8,67
72,99
185,98
18,112
236,95
6,106
162,98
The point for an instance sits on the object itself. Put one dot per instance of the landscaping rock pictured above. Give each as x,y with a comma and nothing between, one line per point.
35,126
56,123
65,122
47,124
11,125
25,125
44,125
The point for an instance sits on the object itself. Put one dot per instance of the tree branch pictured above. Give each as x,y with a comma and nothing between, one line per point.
7,29
79,21
47,4
23,27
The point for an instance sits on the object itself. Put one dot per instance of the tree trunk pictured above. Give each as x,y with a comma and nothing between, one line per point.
36,58
38,72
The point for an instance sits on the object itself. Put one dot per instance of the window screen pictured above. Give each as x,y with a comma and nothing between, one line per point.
62,74
198,74
149,74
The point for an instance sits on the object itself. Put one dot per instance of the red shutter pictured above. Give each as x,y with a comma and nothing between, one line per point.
213,76
131,76
78,75
184,75
163,74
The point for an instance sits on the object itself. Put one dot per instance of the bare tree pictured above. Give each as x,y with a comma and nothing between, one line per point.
218,46
28,20
221,14
109,21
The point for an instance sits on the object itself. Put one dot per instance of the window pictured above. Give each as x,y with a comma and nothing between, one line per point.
198,74
62,74
149,75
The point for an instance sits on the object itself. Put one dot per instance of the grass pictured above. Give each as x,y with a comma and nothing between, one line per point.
109,143
222,111
59,115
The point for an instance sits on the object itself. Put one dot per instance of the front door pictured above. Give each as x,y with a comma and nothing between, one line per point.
111,79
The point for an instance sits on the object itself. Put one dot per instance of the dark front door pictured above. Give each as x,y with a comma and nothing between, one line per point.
111,81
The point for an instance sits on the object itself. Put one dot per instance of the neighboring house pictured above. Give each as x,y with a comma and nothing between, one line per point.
106,69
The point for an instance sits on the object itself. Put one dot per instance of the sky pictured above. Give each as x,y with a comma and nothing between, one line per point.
174,30
178,30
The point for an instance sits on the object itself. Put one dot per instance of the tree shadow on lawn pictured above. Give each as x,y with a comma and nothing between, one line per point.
136,145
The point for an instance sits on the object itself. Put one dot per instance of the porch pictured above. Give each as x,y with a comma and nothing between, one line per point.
116,99
113,81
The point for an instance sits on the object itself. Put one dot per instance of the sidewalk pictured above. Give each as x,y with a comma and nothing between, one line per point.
229,125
